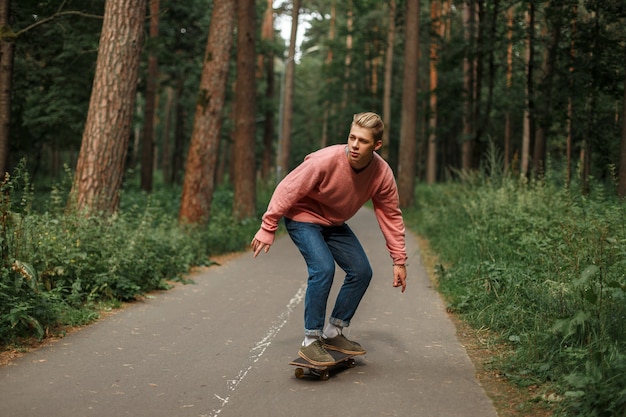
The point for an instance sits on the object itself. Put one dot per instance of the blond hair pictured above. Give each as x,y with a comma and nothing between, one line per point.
371,121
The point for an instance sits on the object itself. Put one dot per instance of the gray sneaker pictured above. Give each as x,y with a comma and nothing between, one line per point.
343,345
316,354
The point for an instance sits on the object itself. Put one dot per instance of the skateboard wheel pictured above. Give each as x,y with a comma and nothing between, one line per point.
351,363
324,375
299,372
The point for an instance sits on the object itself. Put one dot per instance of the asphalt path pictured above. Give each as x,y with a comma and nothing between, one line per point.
221,346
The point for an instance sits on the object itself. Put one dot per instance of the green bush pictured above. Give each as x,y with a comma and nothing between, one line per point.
543,267
57,268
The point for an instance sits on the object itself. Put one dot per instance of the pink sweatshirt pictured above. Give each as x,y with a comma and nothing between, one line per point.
325,190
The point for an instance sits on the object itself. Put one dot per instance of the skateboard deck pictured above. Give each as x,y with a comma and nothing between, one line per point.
306,368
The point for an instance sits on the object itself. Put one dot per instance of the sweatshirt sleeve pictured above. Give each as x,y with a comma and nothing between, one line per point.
387,208
297,184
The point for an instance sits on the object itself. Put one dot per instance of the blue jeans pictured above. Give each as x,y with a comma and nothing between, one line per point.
321,247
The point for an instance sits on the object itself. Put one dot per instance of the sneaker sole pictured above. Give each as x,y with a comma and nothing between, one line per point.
318,363
347,352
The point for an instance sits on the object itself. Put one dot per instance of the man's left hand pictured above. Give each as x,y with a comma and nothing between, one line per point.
399,276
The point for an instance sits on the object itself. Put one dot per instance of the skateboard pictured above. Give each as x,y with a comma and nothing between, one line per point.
305,368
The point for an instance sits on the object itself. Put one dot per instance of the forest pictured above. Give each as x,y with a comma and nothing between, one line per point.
140,138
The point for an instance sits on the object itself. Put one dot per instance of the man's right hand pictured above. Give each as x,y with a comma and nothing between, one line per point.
258,246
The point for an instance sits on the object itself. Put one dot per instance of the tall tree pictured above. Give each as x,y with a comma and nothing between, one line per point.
166,154
266,69
469,85
288,82
391,35
100,167
147,142
570,106
408,128
553,24
347,81
621,184
244,204
491,39
328,62
528,88
199,183
436,34
7,48
509,83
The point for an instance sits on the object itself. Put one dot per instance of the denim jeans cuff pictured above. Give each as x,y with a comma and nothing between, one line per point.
338,322
313,333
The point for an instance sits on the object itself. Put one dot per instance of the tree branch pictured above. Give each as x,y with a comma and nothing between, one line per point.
55,16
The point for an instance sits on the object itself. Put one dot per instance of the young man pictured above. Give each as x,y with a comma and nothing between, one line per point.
316,199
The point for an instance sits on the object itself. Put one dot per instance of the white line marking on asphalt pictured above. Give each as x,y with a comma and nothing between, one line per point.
260,347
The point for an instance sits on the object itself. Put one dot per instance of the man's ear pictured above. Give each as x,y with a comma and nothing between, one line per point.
378,145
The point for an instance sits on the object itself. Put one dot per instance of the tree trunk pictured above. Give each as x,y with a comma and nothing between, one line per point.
244,204
388,83
509,83
329,60
468,86
436,37
491,50
347,81
479,26
199,182
544,115
592,98
100,166
267,70
178,157
621,184
147,142
527,128
570,110
7,49
408,128
286,112
166,156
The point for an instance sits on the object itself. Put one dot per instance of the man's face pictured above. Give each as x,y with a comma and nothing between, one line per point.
361,147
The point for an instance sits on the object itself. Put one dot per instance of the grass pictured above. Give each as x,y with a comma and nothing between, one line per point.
541,267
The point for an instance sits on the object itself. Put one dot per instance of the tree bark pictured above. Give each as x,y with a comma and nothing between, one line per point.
199,183
286,112
347,81
491,51
621,184
100,166
266,68
166,155
527,127
388,82
147,142
7,50
553,22
244,204
178,157
408,128
570,107
509,83
328,105
468,87
436,36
